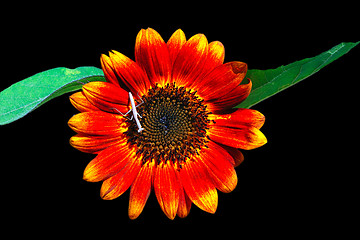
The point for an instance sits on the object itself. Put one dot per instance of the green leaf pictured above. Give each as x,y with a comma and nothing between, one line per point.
23,97
266,83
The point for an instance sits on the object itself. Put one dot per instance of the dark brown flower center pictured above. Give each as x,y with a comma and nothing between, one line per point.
175,121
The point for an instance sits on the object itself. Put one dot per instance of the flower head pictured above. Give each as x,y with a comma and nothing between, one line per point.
166,122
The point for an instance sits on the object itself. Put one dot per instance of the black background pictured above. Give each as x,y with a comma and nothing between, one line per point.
302,182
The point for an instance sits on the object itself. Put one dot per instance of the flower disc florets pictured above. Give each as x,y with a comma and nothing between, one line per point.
175,122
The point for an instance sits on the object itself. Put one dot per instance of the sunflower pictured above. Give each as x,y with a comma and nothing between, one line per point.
167,122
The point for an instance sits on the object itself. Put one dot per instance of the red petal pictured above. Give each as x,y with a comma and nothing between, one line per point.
190,60
235,153
198,185
230,100
80,102
140,190
107,97
214,59
175,43
108,162
167,189
108,69
219,164
98,123
130,73
184,204
243,137
152,54
241,117
107,92
93,144
222,80
118,184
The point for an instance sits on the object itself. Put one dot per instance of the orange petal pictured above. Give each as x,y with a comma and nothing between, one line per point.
230,100
107,97
243,137
219,164
93,144
130,73
98,123
140,189
175,43
152,54
80,102
108,69
198,185
108,162
167,189
241,117
115,186
216,53
222,80
190,60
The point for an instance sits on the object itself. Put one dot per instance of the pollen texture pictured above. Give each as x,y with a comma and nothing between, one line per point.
175,121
